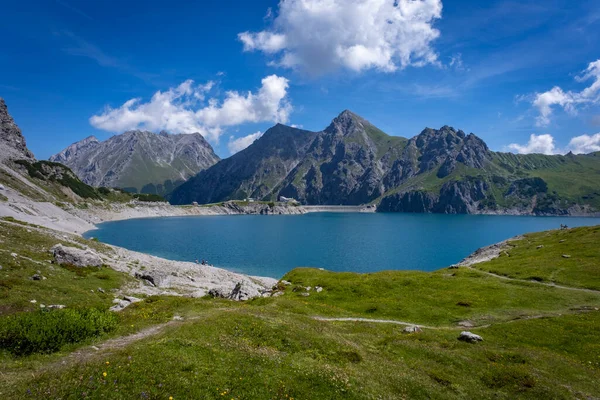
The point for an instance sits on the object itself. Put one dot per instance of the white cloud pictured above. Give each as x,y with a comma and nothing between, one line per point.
239,144
569,100
585,144
319,36
543,144
183,109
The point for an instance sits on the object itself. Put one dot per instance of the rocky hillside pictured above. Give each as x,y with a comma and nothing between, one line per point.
12,142
139,161
440,171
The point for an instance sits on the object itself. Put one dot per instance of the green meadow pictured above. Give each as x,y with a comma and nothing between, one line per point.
537,311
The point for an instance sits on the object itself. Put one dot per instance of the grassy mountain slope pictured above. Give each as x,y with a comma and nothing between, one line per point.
540,341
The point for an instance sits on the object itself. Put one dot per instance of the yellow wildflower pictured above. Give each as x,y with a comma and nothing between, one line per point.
104,374
107,363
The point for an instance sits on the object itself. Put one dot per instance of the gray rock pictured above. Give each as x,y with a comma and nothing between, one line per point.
566,256
121,304
541,246
319,289
64,255
14,255
277,294
305,294
469,337
12,142
154,278
466,324
36,277
412,329
56,306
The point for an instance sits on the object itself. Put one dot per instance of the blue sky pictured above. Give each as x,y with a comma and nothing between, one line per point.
502,69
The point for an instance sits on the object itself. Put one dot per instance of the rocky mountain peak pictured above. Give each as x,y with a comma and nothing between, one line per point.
345,124
12,142
139,160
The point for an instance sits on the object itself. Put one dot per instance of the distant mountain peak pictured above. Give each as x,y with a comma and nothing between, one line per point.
141,160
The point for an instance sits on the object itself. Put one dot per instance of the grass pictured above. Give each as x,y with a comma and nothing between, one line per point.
547,264
540,342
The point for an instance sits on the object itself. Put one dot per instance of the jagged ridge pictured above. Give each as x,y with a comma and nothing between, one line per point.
352,162
139,160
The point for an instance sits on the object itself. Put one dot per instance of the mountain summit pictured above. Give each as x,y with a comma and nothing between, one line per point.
139,161
440,170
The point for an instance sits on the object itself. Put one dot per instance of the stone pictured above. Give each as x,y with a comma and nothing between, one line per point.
286,282
42,306
469,337
541,246
412,329
566,256
56,306
121,304
305,294
562,240
36,277
177,318
14,255
2,187
466,324
277,294
64,255
319,289
101,290
131,299
154,278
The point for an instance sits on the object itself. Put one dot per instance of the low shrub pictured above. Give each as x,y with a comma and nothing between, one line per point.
47,331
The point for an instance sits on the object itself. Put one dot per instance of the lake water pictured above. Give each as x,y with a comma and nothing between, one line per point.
272,245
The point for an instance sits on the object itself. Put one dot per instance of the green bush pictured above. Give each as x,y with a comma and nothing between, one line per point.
148,197
47,331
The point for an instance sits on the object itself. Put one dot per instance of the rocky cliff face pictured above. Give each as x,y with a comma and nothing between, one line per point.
12,142
139,161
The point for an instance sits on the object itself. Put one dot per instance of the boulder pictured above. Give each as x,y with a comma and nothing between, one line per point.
241,292
412,329
154,278
566,256
36,277
64,255
121,304
469,337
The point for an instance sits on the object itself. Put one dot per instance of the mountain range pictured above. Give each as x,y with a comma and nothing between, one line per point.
139,161
353,162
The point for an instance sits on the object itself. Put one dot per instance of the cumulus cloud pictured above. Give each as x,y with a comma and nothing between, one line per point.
585,144
569,100
185,109
239,144
545,144
318,36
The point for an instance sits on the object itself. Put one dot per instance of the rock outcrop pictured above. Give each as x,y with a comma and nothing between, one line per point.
12,141
65,255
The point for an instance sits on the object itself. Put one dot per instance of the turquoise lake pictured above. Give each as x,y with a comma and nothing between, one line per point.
274,244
